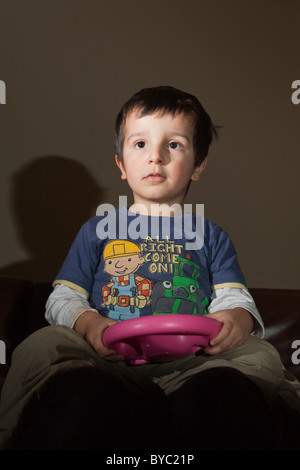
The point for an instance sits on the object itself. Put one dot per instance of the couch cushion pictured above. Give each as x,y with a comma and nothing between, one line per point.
280,311
40,292
22,307
15,302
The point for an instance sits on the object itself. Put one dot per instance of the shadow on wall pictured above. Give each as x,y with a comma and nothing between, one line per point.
52,197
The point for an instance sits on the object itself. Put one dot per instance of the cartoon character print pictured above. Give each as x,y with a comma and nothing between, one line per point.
127,292
182,295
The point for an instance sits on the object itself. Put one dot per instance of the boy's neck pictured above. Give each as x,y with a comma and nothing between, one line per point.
156,209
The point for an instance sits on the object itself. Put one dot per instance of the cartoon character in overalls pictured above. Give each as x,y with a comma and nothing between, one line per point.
126,293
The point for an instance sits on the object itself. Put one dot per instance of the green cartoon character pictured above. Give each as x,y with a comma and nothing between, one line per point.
180,295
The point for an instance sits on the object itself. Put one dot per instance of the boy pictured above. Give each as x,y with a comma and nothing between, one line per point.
159,154
224,397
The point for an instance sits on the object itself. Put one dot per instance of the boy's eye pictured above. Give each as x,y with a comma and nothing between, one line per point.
174,145
141,144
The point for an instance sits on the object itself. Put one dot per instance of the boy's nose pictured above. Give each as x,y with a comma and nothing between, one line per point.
156,155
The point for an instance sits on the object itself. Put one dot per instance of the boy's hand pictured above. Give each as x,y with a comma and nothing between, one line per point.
237,325
92,325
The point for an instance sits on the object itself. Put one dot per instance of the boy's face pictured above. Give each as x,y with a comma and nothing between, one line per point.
158,157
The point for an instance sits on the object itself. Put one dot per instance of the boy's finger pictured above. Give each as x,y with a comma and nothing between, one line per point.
221,335
224,345
109,354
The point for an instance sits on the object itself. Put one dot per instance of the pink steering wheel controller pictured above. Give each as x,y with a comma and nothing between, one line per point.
160,338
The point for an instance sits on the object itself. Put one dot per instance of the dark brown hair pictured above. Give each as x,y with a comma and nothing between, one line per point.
168,100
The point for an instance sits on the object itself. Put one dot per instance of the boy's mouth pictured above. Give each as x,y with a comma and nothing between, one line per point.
156,177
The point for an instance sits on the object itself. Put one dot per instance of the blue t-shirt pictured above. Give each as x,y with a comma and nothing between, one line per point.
131,265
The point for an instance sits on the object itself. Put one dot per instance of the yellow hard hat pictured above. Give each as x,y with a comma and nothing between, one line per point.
118,248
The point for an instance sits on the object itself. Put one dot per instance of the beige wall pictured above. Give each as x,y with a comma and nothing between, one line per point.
69,65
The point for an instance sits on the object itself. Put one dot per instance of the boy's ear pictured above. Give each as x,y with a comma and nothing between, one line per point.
198,170
120,165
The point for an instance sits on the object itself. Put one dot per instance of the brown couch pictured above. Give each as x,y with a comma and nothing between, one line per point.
23,303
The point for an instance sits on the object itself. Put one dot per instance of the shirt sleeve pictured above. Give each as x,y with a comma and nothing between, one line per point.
65,305
231,297
81,263
225,270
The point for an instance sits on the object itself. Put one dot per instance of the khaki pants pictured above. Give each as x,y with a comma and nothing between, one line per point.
58,348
